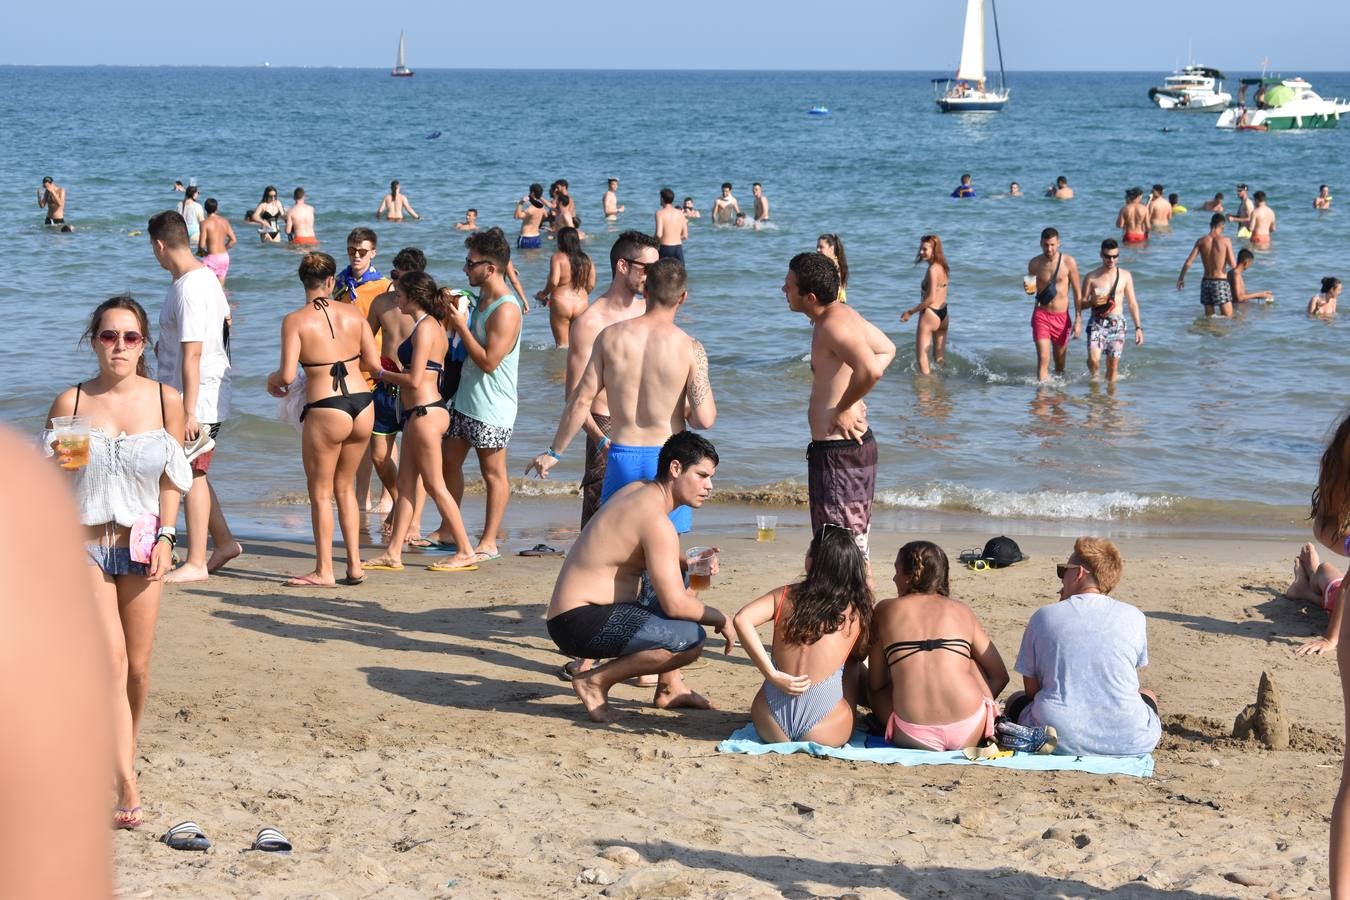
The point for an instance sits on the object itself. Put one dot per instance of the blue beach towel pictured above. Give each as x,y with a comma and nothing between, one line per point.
863,747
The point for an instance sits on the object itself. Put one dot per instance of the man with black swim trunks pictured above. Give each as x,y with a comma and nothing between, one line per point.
621,596
1217,253
848,357
52,197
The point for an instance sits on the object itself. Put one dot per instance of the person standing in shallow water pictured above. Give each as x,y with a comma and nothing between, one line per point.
932,308
395,204
1056,277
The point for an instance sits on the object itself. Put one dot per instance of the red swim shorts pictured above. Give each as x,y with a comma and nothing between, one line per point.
1050,326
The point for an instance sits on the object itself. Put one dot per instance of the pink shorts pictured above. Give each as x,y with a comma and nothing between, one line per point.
946,737
218,263
1050,326
1331,595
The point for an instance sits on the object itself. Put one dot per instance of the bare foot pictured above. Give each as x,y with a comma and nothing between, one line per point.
687,699
595,701
312,579
382,562
648,680
222,555
186,573
1305,565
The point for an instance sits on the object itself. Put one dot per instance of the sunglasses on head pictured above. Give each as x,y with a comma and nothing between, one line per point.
108,338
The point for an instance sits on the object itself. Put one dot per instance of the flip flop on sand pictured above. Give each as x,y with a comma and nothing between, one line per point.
382,567
482,556
186,836
128,819
420,543
568,670
541,550
304,581
349,581
443,567
269,840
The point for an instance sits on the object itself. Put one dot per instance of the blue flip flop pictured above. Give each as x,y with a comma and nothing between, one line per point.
186,836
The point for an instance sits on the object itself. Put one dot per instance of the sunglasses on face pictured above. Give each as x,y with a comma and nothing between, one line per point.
633,263
108,338
471,264
1110,256
360,251
1062,569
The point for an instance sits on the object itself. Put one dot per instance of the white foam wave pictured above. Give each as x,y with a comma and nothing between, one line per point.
1031,505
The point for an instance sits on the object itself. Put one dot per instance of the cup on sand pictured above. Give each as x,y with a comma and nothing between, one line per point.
765,528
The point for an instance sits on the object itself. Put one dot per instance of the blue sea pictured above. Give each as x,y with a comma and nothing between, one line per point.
1213,425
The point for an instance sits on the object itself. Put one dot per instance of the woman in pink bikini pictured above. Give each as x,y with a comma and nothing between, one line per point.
933,673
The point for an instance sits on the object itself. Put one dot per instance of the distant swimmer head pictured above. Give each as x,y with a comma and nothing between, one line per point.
67,229
688,204
1331,284
740,220
1218,220
1259,197
726,188
1174,198
613,183
393,187
46,180
536,191
298,194
1245,258
667,196
1132,194
965,179
1061,181
1158,190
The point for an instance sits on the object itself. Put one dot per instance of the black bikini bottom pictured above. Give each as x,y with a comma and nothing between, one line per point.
352,404
422,410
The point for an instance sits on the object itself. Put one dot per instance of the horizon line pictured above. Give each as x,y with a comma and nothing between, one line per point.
880,71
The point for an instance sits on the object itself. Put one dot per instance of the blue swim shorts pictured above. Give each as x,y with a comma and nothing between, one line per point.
388,411
626,464
533,242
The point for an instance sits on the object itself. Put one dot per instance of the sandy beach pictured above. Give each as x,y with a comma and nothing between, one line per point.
411,738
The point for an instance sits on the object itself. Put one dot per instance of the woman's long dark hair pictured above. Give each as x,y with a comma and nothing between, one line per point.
420,288
836,583
1331,497
569,243
127,302
840,259
926,565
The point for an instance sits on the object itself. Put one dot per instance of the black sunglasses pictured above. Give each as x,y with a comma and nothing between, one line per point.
633,262
1062,569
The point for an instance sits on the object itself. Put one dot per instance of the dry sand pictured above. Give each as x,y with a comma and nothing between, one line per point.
410,737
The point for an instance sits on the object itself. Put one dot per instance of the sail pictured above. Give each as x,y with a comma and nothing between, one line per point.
401,64
972,43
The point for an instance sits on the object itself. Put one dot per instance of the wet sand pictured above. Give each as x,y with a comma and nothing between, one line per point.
411,738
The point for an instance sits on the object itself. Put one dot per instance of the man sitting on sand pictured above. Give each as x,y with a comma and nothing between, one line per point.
1320,583
1079,662
621,596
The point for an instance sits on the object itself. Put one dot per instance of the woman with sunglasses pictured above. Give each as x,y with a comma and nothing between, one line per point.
127,494
932,308
933,674
267,215
426,419
820,629
324,338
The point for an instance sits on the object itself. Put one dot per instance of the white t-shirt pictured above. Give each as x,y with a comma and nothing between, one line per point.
195,310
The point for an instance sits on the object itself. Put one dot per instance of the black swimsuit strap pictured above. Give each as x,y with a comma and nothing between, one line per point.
955,645
78,388
321,304
163,422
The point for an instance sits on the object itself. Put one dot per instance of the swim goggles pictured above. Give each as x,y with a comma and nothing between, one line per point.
973,559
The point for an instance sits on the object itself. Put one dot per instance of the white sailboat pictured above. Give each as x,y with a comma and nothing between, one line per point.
401,69
967,91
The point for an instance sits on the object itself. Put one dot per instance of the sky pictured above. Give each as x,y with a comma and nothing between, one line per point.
1038,35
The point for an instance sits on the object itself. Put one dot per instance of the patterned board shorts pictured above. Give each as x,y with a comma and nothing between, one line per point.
479,435
1215,291
1107,334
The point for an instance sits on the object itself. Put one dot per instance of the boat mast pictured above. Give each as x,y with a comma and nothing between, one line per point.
1002,79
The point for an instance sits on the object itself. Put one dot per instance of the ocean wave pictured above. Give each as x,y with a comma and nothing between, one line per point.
1026,505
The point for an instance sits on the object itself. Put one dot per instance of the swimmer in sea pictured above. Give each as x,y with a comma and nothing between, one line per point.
394,204
1323,305
215,240
1174,200
1215,205
932,308
1060,190
178,187
1159,210
1014,190
761,204
690,211
672,228
611,203
470,222
1242,218
1262,221
740,221
1323,198
1216,252
1133,217
52,197
965,190
1238,285
267,215
300,221
530,211
725,208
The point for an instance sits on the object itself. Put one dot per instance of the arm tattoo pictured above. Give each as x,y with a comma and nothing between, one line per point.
699,389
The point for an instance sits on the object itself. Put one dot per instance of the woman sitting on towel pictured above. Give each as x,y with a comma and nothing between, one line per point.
820,628
933,673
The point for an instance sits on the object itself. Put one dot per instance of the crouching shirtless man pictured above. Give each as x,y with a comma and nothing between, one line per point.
620,595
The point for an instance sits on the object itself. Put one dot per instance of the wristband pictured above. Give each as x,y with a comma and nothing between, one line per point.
167,530
553,453
379,376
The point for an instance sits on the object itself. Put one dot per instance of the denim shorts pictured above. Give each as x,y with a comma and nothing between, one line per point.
115,561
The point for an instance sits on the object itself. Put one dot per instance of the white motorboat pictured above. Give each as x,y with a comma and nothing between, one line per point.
967,91
1282,104
401,69
1193,89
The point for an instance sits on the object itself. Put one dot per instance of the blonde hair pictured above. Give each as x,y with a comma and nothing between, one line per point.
1100,557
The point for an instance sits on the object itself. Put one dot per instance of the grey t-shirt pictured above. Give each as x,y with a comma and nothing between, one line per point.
1086,651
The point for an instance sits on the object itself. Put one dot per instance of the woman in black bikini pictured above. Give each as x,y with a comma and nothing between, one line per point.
426,420
932,308
933,673
268,215
339,413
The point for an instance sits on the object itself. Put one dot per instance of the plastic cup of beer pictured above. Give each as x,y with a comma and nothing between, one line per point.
71,434
765,528
700,568
1029,283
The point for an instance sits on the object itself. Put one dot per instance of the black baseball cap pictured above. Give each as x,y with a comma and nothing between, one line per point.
1002,551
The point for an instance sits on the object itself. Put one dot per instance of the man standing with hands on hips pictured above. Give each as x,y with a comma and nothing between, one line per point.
193,356
848,357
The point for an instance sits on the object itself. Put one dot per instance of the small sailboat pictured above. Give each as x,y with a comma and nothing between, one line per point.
967,92
401,69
